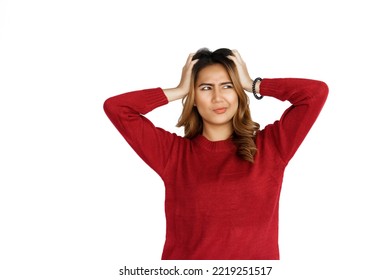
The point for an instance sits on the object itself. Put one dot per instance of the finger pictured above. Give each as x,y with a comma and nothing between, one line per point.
237,55
191,56
232,57
190,63
194,61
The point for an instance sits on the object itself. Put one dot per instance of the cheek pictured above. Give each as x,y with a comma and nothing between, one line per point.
200,100
233,100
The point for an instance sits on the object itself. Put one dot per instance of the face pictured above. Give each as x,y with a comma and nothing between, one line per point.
215,97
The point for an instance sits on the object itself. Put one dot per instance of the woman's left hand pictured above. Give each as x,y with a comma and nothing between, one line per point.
245,78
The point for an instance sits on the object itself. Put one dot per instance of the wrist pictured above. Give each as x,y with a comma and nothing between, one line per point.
256,88
247,86
173,94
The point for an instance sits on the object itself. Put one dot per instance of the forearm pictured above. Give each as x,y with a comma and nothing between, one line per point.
307,98
296,90
132,104
173,94
126,112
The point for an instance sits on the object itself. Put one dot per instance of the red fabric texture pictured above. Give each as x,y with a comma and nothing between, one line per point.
218,206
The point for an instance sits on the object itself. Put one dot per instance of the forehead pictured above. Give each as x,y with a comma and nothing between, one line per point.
213,73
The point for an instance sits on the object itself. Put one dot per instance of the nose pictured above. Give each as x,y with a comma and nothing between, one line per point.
217,95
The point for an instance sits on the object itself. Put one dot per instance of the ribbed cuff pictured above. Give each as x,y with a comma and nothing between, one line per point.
154,98
273,88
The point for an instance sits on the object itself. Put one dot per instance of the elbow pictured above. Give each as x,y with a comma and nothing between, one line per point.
323,89
319,90
108,106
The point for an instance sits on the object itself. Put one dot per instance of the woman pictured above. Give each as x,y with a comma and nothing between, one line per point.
223,178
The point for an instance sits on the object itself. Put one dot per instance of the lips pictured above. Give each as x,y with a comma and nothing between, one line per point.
220,110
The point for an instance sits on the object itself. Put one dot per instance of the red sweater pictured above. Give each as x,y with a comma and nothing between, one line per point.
217,205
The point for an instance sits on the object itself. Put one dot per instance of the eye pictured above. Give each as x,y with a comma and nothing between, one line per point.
205,88
228,86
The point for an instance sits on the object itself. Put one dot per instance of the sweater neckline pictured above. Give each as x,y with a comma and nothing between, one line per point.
215,146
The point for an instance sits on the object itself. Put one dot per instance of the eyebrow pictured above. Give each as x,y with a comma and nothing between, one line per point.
211,84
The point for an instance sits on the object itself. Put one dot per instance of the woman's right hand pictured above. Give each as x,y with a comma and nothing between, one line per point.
185,81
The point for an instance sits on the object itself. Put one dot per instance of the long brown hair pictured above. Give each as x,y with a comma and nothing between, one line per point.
244,128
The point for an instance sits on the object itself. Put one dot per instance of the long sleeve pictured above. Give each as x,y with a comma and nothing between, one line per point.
126,112
307,98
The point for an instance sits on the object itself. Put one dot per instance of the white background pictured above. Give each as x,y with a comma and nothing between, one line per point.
77,203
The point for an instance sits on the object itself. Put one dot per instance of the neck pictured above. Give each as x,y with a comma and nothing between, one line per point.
217,133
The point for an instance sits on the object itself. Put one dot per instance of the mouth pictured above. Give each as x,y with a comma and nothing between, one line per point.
220,110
